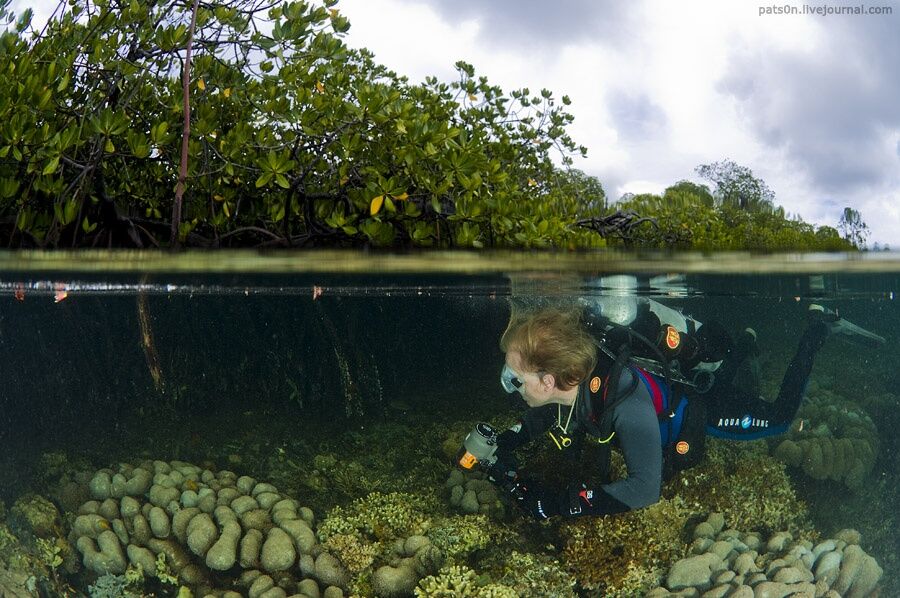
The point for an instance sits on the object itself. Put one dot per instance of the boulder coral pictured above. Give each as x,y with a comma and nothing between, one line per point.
204,524
833,440
471,492
732,563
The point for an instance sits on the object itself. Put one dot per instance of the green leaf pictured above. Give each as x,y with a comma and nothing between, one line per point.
282,181
264,179
51,166
70,211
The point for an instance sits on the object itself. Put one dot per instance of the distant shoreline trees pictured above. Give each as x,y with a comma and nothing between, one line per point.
297,140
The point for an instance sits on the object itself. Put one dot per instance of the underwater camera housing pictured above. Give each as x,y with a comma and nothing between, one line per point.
479,448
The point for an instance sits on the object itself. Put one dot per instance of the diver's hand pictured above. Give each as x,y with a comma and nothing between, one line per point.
535,500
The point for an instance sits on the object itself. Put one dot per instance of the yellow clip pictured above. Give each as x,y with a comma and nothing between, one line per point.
561,442
607,440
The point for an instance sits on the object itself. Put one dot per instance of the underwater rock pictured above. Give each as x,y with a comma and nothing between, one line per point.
309,588
16,584
413,543
201,534
223,554
140,556
261,585
251,544
773,589
849,536
428,560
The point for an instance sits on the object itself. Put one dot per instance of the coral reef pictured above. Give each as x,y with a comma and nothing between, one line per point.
177,522
379,538
732,563
19,570
832,439
359,463
625,555
355,551
533,576
461,536
113,586
744,483
33,553
33,517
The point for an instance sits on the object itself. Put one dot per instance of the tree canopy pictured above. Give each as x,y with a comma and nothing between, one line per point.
295,139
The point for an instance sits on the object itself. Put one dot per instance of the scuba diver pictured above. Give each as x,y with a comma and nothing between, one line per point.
654,387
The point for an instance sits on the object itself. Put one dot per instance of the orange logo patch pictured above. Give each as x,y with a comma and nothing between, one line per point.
595,384
682,447
673,339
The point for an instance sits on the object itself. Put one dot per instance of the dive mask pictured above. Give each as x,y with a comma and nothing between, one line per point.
509,380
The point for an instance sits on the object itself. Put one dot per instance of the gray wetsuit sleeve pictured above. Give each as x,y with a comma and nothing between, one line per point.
637,429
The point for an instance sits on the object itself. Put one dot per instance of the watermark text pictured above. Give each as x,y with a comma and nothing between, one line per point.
824,10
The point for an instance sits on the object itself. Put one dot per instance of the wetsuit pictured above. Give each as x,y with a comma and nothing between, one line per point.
637,432
728,412
736,411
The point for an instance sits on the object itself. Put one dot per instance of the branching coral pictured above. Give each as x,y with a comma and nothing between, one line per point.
381,516
457,581
459,537
355,552
533,576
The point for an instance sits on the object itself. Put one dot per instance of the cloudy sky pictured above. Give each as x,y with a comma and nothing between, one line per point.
808,102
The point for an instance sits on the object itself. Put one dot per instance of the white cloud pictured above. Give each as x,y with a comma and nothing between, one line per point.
668,61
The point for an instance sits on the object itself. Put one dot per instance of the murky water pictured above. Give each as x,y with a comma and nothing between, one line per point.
348,382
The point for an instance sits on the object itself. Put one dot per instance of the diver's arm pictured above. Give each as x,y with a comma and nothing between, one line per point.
637,428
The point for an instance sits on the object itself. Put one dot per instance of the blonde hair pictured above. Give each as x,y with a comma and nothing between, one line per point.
552,341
